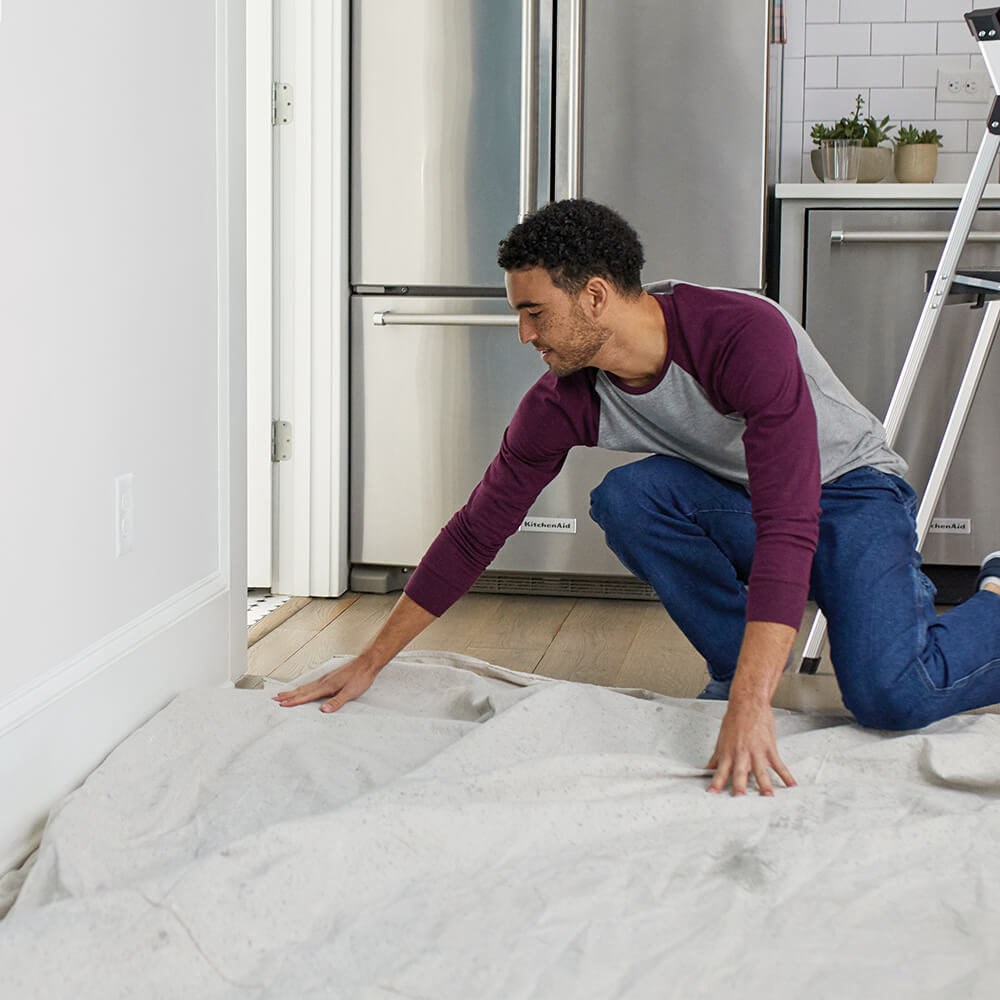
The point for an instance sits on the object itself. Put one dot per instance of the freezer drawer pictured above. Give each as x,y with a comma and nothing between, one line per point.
428,407
863,298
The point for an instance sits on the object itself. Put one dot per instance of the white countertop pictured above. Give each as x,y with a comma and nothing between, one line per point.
881,191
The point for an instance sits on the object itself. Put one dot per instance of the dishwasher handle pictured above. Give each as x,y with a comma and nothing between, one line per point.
386,318
913,236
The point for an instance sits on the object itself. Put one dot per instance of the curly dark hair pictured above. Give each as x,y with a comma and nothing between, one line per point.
574,240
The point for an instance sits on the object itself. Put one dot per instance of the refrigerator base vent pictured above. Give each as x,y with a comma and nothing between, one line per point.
625,588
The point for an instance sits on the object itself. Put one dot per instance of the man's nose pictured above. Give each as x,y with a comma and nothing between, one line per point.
524,332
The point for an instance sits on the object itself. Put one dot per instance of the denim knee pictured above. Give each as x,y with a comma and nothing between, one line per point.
888,707
612,500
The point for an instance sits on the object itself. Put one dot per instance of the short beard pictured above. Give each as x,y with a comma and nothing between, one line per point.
588,338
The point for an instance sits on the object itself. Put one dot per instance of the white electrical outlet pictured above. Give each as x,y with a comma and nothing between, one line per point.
969,86
124,514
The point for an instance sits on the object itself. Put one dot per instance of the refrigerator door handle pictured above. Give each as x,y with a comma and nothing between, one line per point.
386,318
529,108
574,123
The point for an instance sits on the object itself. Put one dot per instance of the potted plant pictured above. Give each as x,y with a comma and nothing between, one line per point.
875,158
916,155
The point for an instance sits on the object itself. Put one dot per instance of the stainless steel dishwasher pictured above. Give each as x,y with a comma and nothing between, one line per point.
863,297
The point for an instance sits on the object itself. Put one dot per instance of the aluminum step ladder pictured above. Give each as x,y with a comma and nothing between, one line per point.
947,285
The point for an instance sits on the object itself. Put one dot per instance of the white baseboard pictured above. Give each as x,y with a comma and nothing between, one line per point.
59,739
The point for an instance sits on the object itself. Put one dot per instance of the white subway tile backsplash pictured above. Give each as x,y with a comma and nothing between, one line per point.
820,11
791,89
900,103
808,177
922,71
824,11
821,71
790,171
872,10
954,168
973,137
976,111
938,10
795,29
954,135
954,36
870,71
903,39
830,105
891,52
838,39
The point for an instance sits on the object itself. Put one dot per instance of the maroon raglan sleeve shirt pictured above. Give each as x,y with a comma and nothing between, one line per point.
743,393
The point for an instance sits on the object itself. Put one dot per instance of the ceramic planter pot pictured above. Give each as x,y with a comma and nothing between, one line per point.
816,159
876,162
916,163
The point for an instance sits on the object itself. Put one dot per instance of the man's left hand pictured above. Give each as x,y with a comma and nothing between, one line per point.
747,745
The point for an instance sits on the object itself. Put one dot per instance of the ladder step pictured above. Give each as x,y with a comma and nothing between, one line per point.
969,286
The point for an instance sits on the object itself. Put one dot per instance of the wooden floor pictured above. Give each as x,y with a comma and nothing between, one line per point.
615,643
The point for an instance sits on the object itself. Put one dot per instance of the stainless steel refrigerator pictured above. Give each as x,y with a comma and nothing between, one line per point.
466,113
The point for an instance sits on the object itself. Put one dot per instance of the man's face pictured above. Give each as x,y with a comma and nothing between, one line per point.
553,322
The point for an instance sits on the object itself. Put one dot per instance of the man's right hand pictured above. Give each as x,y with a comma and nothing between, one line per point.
406,621
344,684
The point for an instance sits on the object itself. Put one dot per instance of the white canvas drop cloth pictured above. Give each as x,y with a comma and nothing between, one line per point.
463,831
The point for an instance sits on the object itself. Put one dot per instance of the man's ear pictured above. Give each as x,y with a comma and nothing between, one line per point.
595,297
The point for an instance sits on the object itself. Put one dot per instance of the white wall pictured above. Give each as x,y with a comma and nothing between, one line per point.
890,52
122,291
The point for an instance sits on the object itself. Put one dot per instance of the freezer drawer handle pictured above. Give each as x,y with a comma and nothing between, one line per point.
442,319
529,108
914,236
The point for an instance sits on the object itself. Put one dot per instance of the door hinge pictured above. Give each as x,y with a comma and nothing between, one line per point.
281,103
281,441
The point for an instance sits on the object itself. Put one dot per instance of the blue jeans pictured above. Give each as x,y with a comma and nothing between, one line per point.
899,666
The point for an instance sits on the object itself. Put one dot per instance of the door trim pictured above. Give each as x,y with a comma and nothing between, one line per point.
311,290
260,262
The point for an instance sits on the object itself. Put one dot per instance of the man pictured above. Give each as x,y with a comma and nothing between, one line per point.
768,481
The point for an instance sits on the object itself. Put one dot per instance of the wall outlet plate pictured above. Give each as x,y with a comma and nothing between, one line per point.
124,514
967,86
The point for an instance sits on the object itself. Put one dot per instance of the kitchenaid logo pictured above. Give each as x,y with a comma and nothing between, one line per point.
952,525
566,525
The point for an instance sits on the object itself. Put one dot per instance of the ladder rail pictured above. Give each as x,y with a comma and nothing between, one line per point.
937,293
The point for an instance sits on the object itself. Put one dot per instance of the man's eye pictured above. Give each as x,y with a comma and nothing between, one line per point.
535,314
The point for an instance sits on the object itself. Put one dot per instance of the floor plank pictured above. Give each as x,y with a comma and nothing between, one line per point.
277,617
661,659
524,623
298,646
460,624
593,640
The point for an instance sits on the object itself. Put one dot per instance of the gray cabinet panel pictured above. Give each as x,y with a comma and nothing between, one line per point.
862,304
